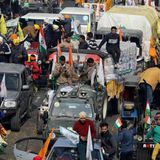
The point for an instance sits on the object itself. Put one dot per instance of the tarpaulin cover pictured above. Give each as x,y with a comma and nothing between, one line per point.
142,18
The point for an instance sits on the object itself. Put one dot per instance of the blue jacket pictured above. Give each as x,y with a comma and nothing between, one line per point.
125,137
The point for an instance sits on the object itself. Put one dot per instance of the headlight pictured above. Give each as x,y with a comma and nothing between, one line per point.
10,104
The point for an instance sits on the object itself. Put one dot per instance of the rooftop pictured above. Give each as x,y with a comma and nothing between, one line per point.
11,67
76,10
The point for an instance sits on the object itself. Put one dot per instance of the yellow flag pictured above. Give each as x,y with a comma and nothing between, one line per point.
88,26
3,27
20,33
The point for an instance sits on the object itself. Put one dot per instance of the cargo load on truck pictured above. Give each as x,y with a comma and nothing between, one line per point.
133,18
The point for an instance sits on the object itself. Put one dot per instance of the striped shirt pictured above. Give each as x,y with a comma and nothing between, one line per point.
92,44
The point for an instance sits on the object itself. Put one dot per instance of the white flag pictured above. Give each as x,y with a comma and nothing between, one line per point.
100,73
89,145
73,137
53,65
3,87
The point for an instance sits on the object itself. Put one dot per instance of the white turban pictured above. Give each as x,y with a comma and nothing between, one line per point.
82,114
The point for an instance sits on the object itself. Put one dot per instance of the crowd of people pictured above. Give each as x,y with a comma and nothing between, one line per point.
59,34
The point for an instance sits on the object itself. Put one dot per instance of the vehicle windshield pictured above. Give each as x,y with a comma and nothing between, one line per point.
71,153
66,108
11,80
83,19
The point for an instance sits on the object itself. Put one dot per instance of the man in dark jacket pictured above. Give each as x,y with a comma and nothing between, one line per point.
112,41
67,24
82,42
48,33
19,53
126,140
5,51
108,142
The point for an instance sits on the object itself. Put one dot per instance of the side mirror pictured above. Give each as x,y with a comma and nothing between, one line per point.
25,87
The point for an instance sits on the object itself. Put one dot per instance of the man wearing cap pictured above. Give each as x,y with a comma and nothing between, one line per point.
31,31
19,53
81,127
5,51
112,41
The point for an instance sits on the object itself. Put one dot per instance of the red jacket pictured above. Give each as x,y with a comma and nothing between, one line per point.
35,70
82,129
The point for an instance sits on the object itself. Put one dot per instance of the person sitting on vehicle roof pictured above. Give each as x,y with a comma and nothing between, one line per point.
92,44
19,53
64,73
148,82
155,132
31,31
89,69
112,41
82,42
67,42
5,51
81,127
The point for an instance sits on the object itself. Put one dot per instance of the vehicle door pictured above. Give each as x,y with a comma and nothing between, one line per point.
25,93
28,148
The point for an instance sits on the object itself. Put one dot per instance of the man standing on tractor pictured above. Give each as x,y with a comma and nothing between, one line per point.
112,41
148,82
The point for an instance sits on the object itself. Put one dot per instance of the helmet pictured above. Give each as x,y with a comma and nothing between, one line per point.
16,41
36,26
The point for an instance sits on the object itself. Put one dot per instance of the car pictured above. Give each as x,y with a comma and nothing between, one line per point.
28,148
66,105
18,102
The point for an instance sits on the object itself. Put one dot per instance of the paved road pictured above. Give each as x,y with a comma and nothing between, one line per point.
29,128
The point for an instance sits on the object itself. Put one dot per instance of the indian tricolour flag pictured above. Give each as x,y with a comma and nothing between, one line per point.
147,116
118,123
42,42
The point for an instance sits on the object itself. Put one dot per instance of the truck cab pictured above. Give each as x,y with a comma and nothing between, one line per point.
84,15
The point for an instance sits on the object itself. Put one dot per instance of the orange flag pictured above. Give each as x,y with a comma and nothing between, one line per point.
70,56
43,151
59,49
120,34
